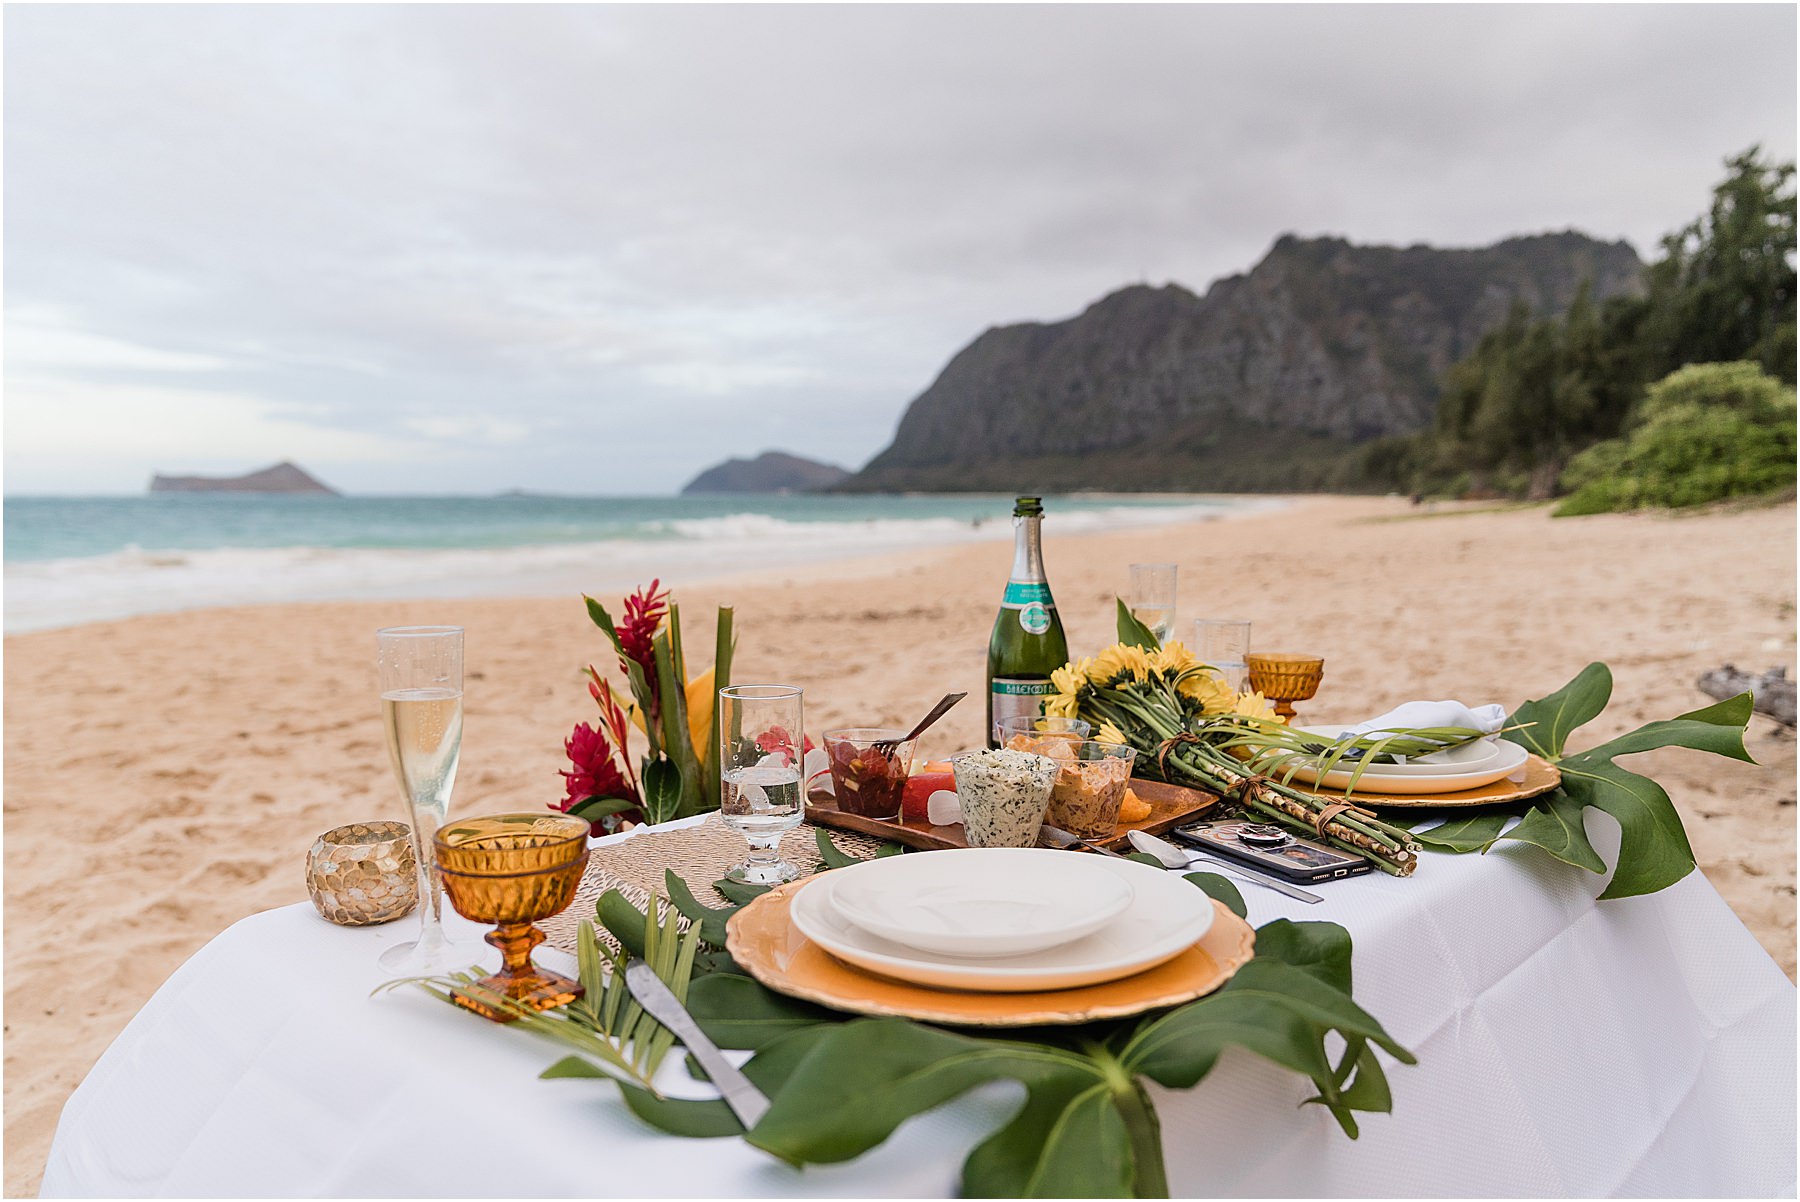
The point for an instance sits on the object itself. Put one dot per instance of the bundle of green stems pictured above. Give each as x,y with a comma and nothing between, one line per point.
1197,752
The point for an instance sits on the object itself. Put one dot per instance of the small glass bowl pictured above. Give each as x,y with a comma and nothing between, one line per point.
864,781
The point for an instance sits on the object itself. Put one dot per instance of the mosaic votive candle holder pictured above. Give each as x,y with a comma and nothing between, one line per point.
363,874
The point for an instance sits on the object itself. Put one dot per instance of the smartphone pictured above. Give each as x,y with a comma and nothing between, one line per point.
1273,850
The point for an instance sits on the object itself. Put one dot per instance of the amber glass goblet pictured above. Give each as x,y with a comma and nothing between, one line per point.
1285,679
512,870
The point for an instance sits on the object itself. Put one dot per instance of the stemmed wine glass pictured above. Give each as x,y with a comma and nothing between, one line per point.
1152,597
761,741
422,708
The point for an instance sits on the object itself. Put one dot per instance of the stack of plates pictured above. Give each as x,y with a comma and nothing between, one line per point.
1467,767
1002,920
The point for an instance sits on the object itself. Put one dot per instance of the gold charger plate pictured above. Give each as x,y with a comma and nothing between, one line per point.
1541,776
762,938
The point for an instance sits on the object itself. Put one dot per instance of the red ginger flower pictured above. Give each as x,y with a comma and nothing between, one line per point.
596,771
644,612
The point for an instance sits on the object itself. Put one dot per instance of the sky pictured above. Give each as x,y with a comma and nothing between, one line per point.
594,249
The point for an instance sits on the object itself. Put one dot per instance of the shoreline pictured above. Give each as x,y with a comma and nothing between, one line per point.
225,739
63,592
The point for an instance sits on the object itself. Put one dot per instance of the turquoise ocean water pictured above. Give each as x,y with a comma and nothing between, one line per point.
76,559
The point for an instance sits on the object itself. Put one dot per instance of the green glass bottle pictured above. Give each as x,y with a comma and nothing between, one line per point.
1028,643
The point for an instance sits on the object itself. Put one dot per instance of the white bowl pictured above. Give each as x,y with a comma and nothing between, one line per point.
1167,916
982,902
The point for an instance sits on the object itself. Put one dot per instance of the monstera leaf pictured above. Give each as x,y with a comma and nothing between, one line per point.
1653,846
840,1085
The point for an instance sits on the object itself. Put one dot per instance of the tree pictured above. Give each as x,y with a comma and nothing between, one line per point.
1724,288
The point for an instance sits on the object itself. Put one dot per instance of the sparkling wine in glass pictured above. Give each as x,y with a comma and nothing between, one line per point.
1152,597
761,737
422,709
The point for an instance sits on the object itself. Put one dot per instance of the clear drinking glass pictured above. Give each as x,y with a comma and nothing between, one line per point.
422,708
1151,598
761,734
1223,643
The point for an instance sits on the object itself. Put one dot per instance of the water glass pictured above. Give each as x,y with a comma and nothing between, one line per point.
1224,643
761,740
1151,598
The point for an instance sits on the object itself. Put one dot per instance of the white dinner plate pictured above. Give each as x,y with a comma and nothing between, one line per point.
1510,760
998,901
1166,915
1470,757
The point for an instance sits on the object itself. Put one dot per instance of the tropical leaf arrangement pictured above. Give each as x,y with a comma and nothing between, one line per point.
672,712
840,1085
1189,729
1653,845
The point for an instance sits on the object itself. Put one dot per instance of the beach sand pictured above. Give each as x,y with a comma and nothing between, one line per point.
165,775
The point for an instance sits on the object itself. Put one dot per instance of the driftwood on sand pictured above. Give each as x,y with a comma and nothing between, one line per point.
1773,690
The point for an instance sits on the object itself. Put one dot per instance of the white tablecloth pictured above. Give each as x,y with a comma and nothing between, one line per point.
1638,1047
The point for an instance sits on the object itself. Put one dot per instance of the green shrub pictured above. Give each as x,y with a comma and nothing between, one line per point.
1704,433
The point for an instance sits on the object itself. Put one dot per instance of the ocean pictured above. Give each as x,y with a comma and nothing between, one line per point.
70,560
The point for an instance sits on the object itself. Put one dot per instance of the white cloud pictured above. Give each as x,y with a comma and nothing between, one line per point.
382,218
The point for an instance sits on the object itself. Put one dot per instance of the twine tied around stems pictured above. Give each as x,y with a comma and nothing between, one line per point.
1168,745
1333,810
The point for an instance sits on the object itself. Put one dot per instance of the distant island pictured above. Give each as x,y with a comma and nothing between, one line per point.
283,477
769,472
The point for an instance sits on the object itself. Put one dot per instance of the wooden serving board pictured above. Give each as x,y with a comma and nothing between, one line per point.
1170,805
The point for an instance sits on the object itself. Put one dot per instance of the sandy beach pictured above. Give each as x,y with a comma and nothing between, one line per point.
164,775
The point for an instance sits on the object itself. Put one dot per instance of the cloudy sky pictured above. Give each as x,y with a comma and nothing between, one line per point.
593,249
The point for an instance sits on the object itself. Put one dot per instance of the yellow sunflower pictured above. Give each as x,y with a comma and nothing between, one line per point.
1172,659
1108,733
1072,677
1213,694
1254,705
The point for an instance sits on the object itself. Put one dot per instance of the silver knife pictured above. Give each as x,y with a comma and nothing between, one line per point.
1183,857
746,1101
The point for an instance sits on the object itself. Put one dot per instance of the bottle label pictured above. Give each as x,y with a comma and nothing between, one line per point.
1012,686
1015,698
1034,618
1021,593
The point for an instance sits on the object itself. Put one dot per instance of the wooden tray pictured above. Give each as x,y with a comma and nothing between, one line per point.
1541,776
1170,805
762,938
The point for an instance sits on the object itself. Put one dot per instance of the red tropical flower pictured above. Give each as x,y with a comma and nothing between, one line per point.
644,612
612,719
777,738
596,771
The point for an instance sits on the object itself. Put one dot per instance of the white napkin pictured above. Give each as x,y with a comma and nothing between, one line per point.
1411,715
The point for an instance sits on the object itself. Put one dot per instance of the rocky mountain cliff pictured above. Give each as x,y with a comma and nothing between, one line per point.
282,477
771,471
1260,384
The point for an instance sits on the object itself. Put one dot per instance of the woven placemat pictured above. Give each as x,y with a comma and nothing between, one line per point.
699,854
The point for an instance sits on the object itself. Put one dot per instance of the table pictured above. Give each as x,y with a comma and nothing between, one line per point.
1635,1047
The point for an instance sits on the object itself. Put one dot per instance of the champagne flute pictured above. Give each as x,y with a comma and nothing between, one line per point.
761,737
422,708
1152,597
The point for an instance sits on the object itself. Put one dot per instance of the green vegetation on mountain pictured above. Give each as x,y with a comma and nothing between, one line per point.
1333,367
1704,433
1538,391
1269,382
